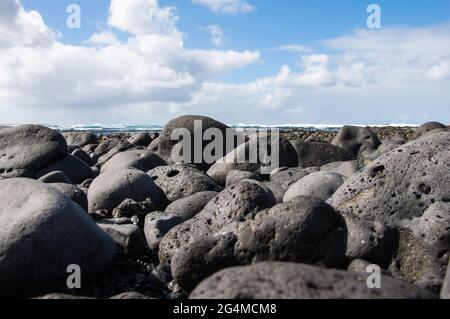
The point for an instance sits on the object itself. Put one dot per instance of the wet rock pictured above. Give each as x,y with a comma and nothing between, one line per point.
275,280
75,169
111,188
46,233
189,206
139,159
321,185
27,149
179,180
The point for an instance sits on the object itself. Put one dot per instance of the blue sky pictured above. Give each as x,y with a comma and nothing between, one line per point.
252,76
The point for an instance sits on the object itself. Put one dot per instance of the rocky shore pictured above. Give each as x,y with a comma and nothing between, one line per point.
139,225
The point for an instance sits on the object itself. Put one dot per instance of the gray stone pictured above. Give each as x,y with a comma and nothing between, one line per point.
128,237
318,154
304,230
288,176
129,208
111,188
82,155
130,296
42,233
74,193
55,177
321,185
142,138
112,144
139,159
29,148
166,143
236,203
79,139
179,180
239,159
75,169
157,225
190,206
445,291
428,127
275,280
356,140
346,169
235,176
399,187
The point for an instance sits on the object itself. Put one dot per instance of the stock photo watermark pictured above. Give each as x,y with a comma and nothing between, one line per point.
74,19
74,279
374,18
230,147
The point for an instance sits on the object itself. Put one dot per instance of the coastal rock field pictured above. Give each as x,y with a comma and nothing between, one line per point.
86,215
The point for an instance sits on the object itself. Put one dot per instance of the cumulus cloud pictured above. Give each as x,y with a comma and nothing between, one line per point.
217,35
151,67
226,6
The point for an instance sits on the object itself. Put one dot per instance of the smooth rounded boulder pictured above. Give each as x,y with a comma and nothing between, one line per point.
320,184
276,280
42,233
74,168
26,149
428,127
73,192
111,188
190,206
138,159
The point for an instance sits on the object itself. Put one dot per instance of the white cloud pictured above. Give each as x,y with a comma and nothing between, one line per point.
295,48
227,6
151,67
217,35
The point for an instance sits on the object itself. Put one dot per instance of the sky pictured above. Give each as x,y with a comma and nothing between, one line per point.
239,61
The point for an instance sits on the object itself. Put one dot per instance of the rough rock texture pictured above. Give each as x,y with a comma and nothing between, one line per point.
178,181
274,280
139,159
235,176
320,184
304,230
318,154
29,148
111,188
74,168
74,193
42,232
236,203
428,127
157,225
190,206
397,190
356,140
445,291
